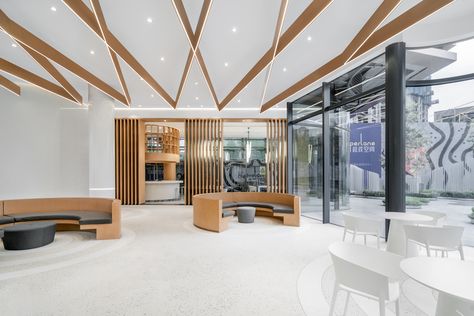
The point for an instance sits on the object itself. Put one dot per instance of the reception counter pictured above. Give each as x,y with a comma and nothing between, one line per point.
162,190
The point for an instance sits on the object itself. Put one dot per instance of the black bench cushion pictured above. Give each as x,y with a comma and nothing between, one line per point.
277,208
281,208
227,213
84,217
256,204
6,220
229,204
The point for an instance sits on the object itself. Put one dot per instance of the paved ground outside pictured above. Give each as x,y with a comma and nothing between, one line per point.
455,209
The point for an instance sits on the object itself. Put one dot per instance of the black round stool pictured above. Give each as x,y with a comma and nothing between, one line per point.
28,235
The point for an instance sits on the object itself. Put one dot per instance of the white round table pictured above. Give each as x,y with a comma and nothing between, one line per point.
396,242
454,279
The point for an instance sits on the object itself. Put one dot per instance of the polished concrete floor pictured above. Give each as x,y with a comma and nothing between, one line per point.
163,265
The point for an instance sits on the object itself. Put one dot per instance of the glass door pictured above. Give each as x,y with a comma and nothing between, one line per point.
307,166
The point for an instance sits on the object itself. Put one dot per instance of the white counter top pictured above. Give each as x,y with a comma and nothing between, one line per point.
162,190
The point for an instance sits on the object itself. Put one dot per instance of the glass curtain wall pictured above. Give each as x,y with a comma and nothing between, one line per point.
439,139
440,136
307,166
356,147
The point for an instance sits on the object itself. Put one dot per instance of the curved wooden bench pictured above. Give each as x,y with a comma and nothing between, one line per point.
101,215
211,210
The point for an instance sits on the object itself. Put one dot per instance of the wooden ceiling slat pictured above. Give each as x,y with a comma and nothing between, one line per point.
32,78
103,26
187,67
22,35
382,12
194,39
49,67
276,38
399,24
87,16
299,25
10,85
405,20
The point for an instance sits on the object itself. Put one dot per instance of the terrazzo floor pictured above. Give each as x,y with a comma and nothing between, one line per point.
163,265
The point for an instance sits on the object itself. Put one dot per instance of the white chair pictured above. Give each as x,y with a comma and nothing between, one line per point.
369,272
444,238
438,217
360,224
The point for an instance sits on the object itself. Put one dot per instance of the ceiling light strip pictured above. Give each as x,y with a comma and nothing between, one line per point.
27,38
380,15
99,15
276,38
10,85
184,77
404,21
301,23
49,67
34,79
88,18
194,39
398,25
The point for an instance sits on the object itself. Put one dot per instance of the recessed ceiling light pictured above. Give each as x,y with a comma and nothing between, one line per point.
152,95
196,98
13,45
92,52
284,69
238,101
141,78
309,38
139,105
149,20
53,9
164,120
234,29
162,58
226,64
196,83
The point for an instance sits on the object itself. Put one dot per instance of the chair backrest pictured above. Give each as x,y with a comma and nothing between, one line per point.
361,223
438,217
445,236
435,236
364,269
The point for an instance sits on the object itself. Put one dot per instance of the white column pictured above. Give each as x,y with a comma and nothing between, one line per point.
101,144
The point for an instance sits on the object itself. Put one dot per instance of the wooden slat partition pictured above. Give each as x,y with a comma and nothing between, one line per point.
130,161
276,155
203,162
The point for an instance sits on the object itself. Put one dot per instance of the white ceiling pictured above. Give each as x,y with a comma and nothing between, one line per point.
254,23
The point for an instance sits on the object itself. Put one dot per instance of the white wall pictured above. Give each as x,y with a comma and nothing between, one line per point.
43,145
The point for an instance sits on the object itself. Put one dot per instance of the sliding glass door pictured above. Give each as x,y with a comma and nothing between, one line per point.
307,166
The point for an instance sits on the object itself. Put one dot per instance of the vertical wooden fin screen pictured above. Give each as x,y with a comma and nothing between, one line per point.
276,155
129,161
203,163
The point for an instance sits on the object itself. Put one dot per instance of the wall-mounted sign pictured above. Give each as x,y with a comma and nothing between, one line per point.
365,146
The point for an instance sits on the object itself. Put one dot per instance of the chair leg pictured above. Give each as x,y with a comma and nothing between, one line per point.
365,240
382,306
354,236
346,304
428,253
461,252
397,307
378,241
344,235
333,299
